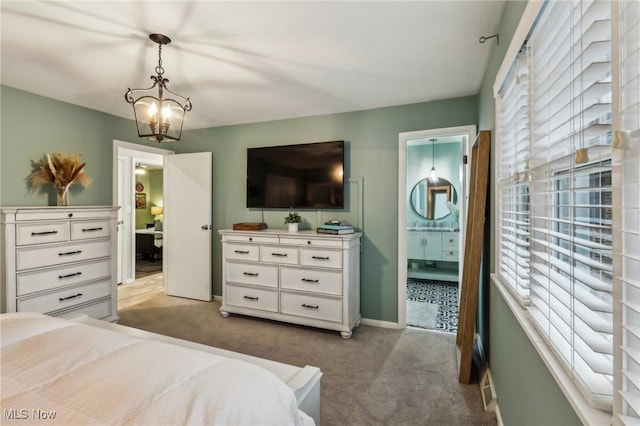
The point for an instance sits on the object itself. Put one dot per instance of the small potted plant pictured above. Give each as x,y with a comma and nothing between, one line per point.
293,219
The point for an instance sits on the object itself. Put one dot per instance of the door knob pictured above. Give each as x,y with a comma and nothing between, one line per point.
205,227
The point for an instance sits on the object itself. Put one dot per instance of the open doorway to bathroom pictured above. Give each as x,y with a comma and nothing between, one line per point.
431,223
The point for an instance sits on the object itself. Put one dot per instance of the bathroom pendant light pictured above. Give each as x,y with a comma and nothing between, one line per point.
159,113
433,175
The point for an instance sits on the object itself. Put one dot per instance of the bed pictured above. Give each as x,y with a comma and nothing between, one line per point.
83,371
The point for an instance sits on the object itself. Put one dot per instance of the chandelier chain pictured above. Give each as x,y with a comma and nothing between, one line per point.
159,68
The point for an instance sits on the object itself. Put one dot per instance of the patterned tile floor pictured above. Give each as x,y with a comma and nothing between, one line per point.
445,294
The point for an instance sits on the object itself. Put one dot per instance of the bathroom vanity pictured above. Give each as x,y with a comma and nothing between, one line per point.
432,253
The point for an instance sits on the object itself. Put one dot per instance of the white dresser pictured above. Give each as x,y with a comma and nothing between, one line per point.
302,277
59,260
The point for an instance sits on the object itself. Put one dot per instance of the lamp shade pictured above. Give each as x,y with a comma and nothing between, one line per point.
156,210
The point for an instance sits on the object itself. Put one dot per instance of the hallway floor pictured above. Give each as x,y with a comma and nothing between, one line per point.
442,293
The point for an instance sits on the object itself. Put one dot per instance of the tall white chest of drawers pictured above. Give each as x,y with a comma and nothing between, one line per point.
59,260
303,277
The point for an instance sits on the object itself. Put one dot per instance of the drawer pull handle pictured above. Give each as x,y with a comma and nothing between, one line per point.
250,298
92,229
304,305
70,252
69,275
320,257
279,254
307,280
241,251
44,233
250,274
62,299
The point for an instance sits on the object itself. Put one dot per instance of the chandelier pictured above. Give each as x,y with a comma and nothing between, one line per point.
159,113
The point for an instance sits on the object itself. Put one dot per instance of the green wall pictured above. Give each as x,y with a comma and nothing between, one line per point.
32,126
527,393
372,153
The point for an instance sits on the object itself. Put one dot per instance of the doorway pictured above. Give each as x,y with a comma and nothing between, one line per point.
149,203
432,203
134,198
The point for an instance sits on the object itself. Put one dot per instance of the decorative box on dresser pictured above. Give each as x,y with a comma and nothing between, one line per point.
299,277
59,260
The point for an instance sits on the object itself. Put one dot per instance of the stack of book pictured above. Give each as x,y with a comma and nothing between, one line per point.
336,227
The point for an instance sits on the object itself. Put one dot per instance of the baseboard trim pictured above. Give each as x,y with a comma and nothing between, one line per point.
378,323
498,415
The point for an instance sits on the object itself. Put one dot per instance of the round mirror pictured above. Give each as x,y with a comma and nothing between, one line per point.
429,199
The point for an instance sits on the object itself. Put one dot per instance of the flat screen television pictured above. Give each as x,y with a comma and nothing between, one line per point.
303,176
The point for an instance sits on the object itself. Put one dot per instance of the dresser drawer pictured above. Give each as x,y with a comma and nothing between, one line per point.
32,282
316,307
450,256
312,242
254,274
65,298
320,257
450,241
35,257
242,252
58,213
90,229
254,298
98,310
251,238
317,281
279,254
40,233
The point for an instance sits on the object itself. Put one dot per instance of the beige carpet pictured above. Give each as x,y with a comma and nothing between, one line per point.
379,377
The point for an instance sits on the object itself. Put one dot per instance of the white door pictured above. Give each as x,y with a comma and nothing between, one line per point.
120,222
187,225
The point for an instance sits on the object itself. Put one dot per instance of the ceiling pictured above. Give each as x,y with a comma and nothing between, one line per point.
243,62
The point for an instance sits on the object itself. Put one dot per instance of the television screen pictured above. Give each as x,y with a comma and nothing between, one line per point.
296,176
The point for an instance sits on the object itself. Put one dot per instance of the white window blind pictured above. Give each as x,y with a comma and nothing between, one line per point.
627,197
513,180
571,196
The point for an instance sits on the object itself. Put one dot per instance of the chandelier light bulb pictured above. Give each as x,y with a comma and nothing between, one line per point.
433,175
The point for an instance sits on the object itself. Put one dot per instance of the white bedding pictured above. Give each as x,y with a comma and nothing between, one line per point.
87,375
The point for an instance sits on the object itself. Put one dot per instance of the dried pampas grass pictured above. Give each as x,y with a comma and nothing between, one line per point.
61,171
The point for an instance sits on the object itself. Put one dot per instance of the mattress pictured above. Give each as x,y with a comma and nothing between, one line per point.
71,373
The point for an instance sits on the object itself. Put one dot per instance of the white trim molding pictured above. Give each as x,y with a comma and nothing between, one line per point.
529,16
403,139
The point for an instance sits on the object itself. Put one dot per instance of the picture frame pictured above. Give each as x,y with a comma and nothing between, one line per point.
141,201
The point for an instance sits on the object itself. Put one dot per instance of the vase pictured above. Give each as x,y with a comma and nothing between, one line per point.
293,227
62,196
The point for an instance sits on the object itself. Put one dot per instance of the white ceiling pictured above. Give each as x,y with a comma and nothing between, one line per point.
243,62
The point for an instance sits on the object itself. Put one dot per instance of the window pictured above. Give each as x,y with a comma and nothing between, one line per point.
569,231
